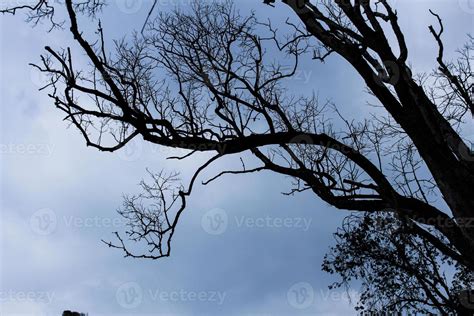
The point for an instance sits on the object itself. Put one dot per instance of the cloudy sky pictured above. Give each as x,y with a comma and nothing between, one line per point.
59,198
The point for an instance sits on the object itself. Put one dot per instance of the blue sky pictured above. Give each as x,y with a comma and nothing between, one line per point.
58,198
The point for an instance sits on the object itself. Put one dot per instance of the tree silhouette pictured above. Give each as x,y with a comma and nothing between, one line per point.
69,313
203,80
400,270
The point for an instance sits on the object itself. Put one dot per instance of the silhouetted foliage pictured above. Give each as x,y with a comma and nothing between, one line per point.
400,270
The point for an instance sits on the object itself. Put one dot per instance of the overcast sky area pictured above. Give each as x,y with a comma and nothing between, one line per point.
59,198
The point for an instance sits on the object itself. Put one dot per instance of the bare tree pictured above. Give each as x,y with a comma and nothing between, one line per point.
201,79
